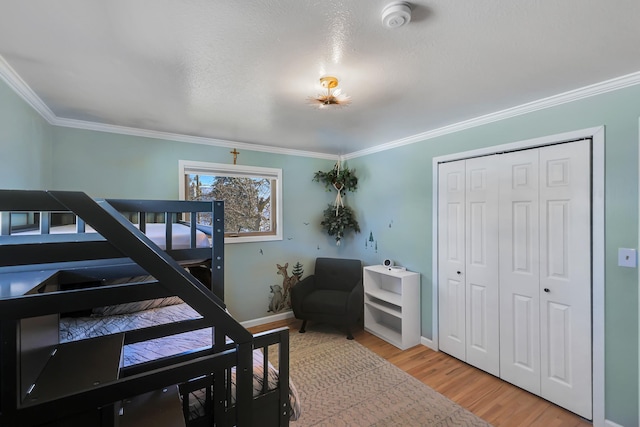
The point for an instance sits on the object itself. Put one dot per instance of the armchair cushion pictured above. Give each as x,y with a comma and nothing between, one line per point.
326,301
337,274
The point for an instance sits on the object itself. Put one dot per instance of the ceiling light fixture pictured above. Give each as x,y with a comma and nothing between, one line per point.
333,97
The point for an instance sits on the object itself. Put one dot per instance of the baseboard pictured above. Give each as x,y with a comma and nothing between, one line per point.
428,343
608,423
267,319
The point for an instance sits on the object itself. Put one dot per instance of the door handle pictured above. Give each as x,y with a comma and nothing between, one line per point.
459,273
547,290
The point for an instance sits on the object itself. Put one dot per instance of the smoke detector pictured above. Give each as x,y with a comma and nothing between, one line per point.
396,14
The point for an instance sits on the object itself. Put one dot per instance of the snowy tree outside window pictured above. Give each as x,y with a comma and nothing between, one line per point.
251,195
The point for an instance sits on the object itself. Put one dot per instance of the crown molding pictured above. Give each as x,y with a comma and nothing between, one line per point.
15,82
19,86
551,101
145,133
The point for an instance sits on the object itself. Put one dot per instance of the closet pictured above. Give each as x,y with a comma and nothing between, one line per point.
514,268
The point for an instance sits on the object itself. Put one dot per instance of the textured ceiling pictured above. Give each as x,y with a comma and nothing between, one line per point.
242,71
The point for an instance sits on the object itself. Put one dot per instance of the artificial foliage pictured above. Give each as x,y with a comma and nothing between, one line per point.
339,219
342,180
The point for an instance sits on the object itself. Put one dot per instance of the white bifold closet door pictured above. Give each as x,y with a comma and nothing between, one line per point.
545,273
451,259
468,295
515,269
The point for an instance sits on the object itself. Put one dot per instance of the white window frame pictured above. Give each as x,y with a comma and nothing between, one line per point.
188,166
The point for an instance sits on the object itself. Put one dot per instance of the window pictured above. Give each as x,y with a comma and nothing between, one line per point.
252,196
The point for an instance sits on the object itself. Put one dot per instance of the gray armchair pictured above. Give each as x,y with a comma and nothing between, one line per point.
333,294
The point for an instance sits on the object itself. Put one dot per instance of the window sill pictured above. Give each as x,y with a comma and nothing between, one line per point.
251,239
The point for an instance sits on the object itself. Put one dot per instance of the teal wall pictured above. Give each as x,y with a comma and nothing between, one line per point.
393,203
396,206
108,165
25,141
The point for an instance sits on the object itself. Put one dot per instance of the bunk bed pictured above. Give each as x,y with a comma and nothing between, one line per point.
105,310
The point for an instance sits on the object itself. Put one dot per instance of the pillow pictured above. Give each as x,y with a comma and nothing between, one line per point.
134,307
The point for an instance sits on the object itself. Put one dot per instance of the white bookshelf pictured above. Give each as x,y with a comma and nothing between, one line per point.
392,305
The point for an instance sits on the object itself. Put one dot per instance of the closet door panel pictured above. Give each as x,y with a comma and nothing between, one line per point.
519,270
451,258
565,230
481,291
525,353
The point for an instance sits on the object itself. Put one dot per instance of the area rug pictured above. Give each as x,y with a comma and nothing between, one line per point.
342,383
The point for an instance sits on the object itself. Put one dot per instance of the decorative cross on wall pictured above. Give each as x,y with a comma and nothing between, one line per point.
235,155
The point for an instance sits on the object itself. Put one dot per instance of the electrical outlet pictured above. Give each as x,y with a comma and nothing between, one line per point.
627,257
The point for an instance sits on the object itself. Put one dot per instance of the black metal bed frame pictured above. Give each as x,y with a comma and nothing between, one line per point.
44,275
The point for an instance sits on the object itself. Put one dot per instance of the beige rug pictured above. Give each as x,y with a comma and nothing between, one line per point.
341,383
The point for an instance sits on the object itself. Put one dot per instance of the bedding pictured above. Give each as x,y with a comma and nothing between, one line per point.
76,328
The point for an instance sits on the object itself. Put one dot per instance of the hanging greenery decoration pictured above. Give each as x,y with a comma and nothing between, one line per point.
338,218
338,179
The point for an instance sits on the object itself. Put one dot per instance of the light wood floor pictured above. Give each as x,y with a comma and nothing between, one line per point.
492,399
